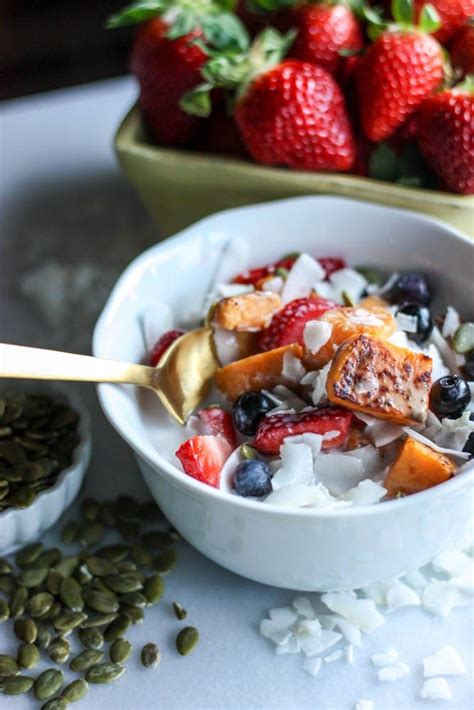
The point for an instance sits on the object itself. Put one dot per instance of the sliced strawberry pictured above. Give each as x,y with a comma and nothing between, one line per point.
218,421
331,264
162,345
333,422
287,325
203,457
253,276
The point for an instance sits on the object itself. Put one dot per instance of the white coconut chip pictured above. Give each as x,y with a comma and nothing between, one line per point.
366,493
440,449
401,340
446,661
312,645
400,595
303,607
327,621
439,369
409,324
369,458
315,441
453,563
301,496
360,612
286,399
349,281
444,348
364,705
451,322
335,656
439,598
284,616
231,290
292,368
454,433
316,334
338,472
303,275
156,319
349,653
319,394
436,689
377,591
463,583
350,632
415,579
296,466
228,470
385,658
274,284
274,632
292,646
227,346
395,672
312,666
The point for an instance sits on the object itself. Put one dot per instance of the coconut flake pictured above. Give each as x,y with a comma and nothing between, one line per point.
312,666
274,284
415,579
391,673
274,632
369,458
301,496
438,368
360,612
409,324
156,319
448,355
364,705
446,661
227,346
303,607
303,275
327,621
453,563
451,322
349,653
454,433
400,595
440,449
377,591
296,466
385,658
226,483
349,281
319,394
233,259
436,689
316,334
231,290
312,645
285,400
335,656
366,493
291,646
292,368
439,598
350,632
338,472
284,616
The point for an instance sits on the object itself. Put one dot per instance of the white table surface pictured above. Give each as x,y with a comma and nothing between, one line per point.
69,223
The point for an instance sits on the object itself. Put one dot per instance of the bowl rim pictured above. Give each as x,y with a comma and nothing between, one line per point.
154,459
81,453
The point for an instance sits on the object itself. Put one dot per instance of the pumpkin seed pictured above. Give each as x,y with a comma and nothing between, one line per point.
157,539
7,583
99,620
55,704
71,594
123,583
129,530
126,566
113,553
154,588
28,655
25,629
134,613
28,555
141,555
186,640
91,534
59,650
4,610
86,659
8,666
104,673
247,452
43,638
53,612
48,558
101,567
105,602
33,577
5,566
53,582
117,628
22,497
463,338
67,565
166,561
70,533
91,638
134,599
120,651
91,510
75,691
150,655
39,604
17,685
18,602
179,611
48,684
69,621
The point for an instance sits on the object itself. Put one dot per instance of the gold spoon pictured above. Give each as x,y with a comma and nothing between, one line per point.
181,379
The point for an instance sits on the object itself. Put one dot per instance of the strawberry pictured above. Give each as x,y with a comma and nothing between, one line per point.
203,457
162,345
400,69
453,15
326,31
273,429
217,421
445,136
253,276
288,324
221,136
330,264
289,113
462,50
168,54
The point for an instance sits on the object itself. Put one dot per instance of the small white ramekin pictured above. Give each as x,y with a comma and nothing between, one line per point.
21,527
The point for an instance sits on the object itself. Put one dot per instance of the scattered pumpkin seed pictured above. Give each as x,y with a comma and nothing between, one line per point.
141,555
104,602
186,640
53,582
28,555
165,562
86,659
4,610
33,577
71,594
8,666
101,567
25,629
113,553
75,691
59,650
48,684
91,510
104,673
69,621
150,655
120,651
179,611
154,588
70,533
39,604
134,599
99,620
43,639
55,704
17,685
122,583
91,534
91,638
117,628
134,613
28,655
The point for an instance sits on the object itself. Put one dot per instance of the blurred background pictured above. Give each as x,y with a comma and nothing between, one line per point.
49,44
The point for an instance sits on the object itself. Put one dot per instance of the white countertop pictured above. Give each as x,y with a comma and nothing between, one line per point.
69,223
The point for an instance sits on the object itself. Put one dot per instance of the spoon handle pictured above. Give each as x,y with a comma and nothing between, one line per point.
18,362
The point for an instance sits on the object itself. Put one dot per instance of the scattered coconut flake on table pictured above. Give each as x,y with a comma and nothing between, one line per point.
350,632
360,612
285,616
439,598
390,673
385,658
364,705
453,562
291,646
446,661
335,656
349,653
303,607
305,273
316,334
273,631
400,595
436,689
312,666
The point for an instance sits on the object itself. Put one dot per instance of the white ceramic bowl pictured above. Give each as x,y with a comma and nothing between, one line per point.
20,527
300,549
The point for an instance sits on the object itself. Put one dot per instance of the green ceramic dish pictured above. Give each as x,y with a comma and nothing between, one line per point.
180,187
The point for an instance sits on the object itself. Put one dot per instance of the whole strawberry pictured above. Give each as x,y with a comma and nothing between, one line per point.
400,69
453,15
167,56
445,136
290,113
462,50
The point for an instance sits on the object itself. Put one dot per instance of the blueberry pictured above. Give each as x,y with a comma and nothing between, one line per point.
469,445
449,397
469,366
411,287
424,323
253,478
249,409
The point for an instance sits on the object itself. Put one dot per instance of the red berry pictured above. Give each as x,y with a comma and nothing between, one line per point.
273,429
452,13
217,421
462,50
288,325
331,264
166,69
445,138
397,74
253,276
295,115
221,136
203,457
162,345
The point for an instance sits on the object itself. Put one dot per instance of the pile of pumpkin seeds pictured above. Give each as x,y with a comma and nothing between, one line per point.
93,596
38,435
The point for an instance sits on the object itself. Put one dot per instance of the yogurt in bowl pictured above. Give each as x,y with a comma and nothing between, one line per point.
341,546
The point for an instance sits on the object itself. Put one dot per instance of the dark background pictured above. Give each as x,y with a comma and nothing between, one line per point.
48,44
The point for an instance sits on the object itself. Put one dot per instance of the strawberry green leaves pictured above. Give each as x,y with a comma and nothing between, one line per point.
138,12
403,13
429,19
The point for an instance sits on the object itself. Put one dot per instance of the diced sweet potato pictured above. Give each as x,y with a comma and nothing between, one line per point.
347,322
373,376
250,312
261,371
370,302
416,468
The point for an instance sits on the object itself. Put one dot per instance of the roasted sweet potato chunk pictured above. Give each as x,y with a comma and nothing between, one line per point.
250,312
347,322
416,468
373,376
261,371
